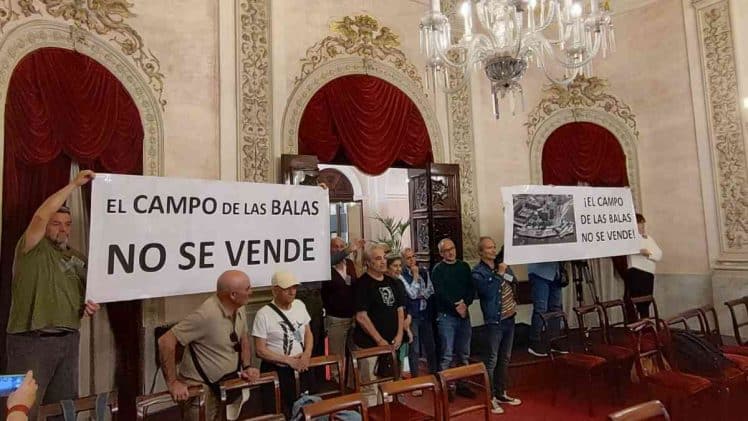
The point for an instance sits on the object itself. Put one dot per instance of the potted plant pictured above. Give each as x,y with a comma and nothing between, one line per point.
395,229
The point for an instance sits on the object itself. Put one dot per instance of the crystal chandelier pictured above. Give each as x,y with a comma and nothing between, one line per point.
559,36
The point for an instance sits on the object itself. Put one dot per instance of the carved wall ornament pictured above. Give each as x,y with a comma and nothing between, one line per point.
35,34
361,36
585,100
727,141
105,18
255,99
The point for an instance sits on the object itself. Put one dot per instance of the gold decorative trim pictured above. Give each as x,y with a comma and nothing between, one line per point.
254,78
35,34
585,99
581,93
462,152
725,125
97,17
360,36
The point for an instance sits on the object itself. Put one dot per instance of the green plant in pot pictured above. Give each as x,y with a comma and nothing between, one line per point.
395,229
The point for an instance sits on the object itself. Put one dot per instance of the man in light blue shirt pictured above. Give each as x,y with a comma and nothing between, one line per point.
419,289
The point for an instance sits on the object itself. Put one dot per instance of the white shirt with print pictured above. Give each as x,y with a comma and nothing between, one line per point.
280,338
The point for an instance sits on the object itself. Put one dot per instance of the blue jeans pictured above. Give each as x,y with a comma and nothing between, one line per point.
500,341
454,334
546,297
423,343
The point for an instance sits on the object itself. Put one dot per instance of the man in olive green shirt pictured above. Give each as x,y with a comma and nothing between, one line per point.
216,343
47,300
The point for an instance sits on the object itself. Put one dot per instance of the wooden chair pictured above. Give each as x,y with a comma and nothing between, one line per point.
482,403
328,388
646,299
733,305
392,409
618,333
239,384
84,404
736,354
674,387
144,404
573,362
370,354
597,342
652,410
354,401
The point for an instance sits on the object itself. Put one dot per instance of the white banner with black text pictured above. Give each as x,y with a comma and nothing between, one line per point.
157,236
558,223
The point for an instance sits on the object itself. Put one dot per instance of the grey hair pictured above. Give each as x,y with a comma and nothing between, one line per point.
441,243
371,249
482,239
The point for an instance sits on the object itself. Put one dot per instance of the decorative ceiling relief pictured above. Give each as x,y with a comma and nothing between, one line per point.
727,141
587,100
361,36
255,100
106,18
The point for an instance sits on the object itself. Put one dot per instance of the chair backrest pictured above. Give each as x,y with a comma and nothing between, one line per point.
647,299
373,354
239,384
736,325
587,331
562,335
354,402
390,391
84,404
709,316
482,403
143,404
323,361
608,307
648,327
691,320
643,411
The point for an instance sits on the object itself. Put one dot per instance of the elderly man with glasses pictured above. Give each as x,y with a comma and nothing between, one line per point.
216,343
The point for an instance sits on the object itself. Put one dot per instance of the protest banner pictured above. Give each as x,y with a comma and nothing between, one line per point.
558,223
157,236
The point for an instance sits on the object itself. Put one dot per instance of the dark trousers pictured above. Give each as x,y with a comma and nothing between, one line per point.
287,387
500,341
54,360
546,297
423,343
638,283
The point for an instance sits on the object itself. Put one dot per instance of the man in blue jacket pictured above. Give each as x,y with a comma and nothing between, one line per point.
495,281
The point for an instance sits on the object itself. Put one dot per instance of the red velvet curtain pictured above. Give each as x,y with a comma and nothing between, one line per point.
364,121
61,106
585,153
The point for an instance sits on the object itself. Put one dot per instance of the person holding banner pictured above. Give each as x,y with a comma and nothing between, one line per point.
216,345
47,300
545,290
284,340
454,292
495,283
641,268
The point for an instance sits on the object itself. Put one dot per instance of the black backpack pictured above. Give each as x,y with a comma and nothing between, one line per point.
695,355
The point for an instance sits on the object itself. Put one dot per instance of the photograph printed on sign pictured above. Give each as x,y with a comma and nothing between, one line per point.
543,219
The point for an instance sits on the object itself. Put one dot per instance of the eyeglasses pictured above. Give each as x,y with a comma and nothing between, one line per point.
234,338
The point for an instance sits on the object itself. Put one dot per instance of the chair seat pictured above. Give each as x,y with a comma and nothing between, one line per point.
398,411
583,361
735,349
682,382
733,375
613,353
741,361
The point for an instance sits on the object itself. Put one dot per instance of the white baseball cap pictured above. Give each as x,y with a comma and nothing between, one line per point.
284,279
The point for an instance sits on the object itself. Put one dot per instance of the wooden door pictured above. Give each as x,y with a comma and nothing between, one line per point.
435,211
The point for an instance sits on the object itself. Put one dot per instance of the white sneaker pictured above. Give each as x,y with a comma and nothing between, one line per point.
495,407
559,351
508,400
536,353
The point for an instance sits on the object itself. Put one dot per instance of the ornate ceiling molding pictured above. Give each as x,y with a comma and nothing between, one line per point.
255,99
584,100
35,34
104,18
360,36
727,141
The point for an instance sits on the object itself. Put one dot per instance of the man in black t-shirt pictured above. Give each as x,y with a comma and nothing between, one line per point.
379,304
